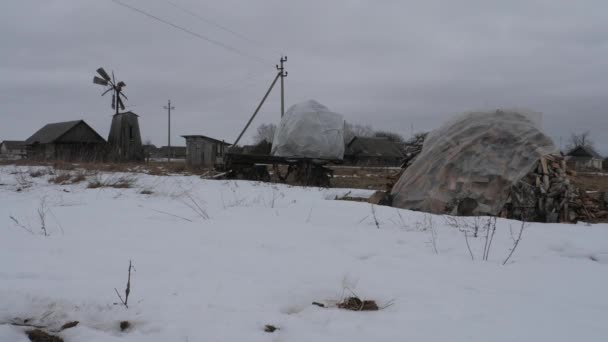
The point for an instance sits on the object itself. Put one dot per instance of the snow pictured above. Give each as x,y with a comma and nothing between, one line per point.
267,251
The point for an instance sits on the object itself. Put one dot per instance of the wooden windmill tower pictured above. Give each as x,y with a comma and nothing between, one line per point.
124,140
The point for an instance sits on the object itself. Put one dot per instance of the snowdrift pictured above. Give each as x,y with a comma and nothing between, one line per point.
310,130
473,159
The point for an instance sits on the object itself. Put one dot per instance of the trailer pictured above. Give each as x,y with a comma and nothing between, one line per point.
299,171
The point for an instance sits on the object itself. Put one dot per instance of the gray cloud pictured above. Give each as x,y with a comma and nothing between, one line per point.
392,64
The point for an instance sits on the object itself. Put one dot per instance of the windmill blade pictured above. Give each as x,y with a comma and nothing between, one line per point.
122,105
123,95
103,74
105,92
100,81
113,80
113,101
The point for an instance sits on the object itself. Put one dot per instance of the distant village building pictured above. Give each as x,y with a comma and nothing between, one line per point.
177,152
584,158
368,151
124,140
12,149
68,141
203,151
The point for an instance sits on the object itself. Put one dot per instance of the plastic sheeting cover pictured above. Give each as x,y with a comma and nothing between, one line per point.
310,130
473,159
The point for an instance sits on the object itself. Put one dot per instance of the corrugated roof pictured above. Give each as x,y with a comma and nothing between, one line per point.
373,147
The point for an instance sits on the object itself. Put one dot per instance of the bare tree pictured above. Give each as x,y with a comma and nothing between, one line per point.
356,130
265,132
580,140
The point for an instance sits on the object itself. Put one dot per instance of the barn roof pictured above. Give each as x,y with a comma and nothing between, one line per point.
373,147
584,151
53,131
13,144
206,138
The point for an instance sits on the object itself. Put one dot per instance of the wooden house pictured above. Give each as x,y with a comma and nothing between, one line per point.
584,158
69,141
368,151
12,149
203,151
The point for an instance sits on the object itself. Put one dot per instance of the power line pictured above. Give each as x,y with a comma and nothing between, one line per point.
195,34
221,27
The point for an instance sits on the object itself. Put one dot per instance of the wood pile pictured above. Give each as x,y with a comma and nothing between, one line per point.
547,195
412,148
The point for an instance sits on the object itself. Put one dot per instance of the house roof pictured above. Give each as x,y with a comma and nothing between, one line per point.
53,131
13,144
584,151
206,138
373,147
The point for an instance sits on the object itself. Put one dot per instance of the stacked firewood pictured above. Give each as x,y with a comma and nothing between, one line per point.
546,194
412,148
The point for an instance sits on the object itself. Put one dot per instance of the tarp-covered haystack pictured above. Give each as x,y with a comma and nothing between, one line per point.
471,164
310,130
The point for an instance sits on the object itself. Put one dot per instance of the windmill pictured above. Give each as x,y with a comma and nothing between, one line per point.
117,95
124,140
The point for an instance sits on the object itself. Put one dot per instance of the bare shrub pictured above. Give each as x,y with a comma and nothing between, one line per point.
193,204
35,173
125,301
61,178
429,225
516,240
374,217
117,182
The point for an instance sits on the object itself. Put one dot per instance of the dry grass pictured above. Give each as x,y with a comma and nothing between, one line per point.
356,304
121,182
62,178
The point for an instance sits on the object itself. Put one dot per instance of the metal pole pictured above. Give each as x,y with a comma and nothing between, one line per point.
168,108
258,108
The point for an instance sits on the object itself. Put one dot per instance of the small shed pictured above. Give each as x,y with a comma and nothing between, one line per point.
12,149
203,151
69,141
368,151
584,158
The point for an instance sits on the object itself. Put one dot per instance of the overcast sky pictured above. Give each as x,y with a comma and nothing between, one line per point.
391,64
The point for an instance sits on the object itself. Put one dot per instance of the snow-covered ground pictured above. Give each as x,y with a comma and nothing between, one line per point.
218,260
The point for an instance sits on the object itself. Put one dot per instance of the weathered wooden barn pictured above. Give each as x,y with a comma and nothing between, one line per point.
367,151
124,140
68,141
12,149
584,158
203,151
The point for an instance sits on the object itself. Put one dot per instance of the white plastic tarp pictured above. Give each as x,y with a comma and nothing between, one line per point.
477,156
310,130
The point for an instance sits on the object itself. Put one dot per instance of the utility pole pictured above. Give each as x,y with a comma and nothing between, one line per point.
168,108
282,74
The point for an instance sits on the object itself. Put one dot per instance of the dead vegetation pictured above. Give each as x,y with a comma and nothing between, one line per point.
37,335
356,304
125,301
114,181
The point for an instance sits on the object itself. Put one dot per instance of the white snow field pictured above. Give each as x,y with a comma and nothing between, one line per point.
258,253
